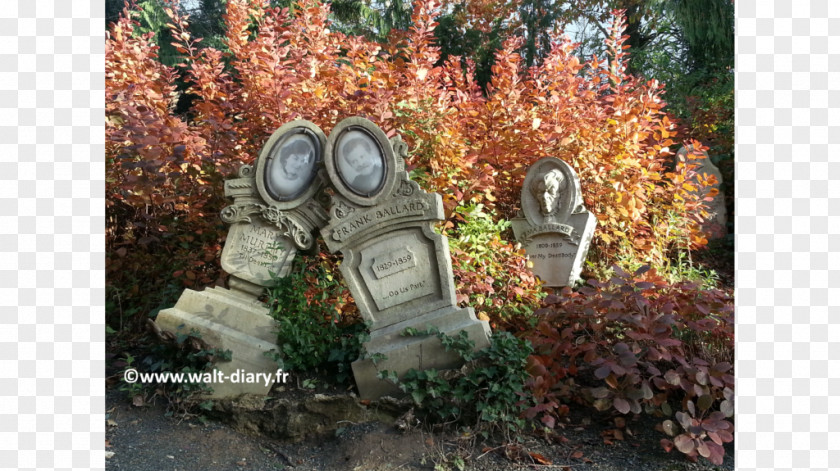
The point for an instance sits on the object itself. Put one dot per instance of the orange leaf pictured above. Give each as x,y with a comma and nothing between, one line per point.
540,459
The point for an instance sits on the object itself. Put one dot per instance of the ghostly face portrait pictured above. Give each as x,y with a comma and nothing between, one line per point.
360,162
291,168
548,189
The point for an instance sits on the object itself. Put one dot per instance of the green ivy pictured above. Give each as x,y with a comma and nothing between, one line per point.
488,391
311,333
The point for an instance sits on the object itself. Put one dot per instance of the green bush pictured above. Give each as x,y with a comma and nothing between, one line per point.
177,354
488,390
312,335
491,274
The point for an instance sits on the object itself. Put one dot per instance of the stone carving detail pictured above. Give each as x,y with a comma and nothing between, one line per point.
407,188
400,147
239,212
554,226
289,226
246,171
342,209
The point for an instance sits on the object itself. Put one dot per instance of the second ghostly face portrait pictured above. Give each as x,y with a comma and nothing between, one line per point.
360,162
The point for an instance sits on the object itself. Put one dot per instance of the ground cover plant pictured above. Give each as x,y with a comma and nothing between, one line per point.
637,343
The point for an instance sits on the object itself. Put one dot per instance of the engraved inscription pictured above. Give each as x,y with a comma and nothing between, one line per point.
549,256
562,229
398,268
255,250
393,262
364,220
406,289
259,246
547,251
400,294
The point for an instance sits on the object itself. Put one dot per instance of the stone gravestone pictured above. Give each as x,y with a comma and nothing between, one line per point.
715,226
553,226
272,216
395,265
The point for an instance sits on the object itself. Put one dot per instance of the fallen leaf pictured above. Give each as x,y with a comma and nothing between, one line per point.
109,454
111,423
577,455
540,459
138,400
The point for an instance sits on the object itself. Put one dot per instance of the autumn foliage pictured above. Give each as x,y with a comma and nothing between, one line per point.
165,170
638,343
165,173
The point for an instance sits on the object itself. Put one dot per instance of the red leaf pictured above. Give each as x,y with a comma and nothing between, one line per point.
684,443
603,372
540,459
548,421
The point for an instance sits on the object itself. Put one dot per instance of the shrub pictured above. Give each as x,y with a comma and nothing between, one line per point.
164,171
486,391
176,354
313,334
637,343
491,274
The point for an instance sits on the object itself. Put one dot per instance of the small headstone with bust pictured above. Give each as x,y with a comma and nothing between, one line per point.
553,226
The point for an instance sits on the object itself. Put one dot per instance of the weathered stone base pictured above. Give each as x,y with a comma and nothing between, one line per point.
228,321
422,352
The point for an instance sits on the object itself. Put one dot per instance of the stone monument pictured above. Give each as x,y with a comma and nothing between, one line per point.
395,265
553,225
272,216
715,225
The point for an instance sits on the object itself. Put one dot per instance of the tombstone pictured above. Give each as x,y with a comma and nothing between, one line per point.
273,215
715,225
396,266
553,225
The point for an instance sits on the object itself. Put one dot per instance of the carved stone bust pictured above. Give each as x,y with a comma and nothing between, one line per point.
547,190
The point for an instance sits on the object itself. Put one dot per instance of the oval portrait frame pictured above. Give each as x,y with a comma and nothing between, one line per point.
269,159
569,201
382,148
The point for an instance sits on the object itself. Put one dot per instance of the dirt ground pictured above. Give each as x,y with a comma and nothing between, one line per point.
144,439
